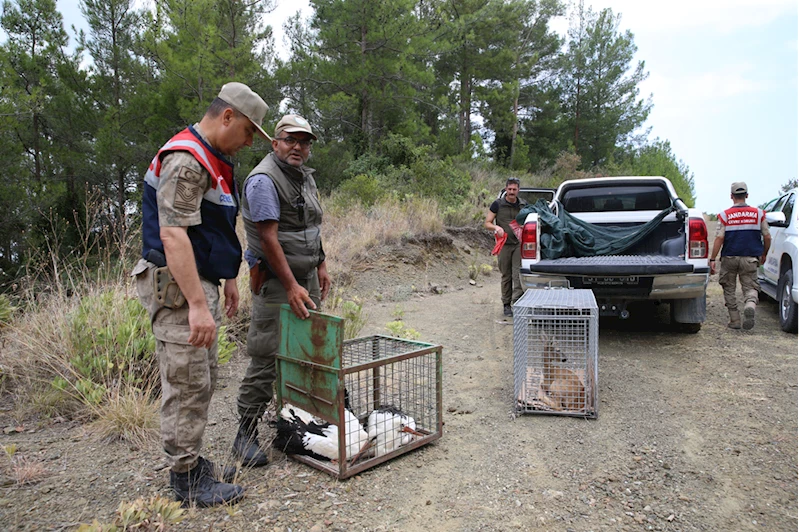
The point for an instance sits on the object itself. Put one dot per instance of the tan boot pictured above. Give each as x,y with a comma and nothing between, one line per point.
749,315
735,320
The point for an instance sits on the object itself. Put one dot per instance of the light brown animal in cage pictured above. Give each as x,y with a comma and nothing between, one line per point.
563,388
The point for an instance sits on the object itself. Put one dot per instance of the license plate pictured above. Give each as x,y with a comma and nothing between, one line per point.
611,281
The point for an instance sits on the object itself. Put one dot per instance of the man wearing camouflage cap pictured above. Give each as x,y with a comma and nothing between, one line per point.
189,210
743,237
282,220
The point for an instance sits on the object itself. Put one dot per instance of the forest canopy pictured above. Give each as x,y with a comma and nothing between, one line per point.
403,95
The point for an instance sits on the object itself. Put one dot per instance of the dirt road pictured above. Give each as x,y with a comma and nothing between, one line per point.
695,432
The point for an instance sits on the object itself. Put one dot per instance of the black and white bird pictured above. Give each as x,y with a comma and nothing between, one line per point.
298,432
388,429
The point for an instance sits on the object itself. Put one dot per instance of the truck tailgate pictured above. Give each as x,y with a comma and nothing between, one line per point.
612,265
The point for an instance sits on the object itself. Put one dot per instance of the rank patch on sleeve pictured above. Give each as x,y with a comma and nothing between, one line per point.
188,190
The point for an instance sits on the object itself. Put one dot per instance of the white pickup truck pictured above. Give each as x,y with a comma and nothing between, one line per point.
778,275
669,265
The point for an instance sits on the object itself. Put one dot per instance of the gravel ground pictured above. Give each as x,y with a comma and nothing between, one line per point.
695,432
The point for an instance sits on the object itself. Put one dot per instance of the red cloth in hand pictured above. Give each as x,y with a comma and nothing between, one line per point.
500,242
517,230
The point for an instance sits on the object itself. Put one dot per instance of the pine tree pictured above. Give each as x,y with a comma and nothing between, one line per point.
367,68
116,77
38,79
531,53
599,87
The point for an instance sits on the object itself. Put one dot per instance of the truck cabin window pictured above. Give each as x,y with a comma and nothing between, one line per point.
623,198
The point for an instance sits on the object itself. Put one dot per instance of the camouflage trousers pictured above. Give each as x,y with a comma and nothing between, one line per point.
510,261
733,269
188,373
263,339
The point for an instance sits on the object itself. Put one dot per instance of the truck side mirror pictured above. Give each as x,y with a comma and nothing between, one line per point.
776,219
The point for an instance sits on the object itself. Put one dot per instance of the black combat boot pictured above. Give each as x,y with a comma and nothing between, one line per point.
245,446
221,473
199,487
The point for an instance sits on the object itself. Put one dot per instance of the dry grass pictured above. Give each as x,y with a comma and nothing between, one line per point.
476,269
154,514
27,470
23,469
349,234
130,415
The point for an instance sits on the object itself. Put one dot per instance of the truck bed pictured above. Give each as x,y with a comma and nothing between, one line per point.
612,265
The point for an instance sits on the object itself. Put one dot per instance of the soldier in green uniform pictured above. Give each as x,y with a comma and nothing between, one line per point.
282,220
500,214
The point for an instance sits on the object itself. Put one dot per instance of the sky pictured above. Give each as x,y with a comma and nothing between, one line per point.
723,80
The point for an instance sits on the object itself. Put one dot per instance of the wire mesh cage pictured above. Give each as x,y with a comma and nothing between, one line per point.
555,351
384,391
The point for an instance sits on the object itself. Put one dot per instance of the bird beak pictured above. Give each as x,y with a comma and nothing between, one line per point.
411,431
365,447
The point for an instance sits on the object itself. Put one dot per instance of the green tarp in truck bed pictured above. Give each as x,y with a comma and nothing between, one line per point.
565,235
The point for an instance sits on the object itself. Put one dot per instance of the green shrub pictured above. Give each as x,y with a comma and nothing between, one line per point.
6,310
349,309
398,313
226,347
111,344
397,328
110,337
364,188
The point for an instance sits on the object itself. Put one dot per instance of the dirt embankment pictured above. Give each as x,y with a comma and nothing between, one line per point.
695,432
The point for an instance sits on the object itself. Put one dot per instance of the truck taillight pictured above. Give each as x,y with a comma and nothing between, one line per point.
697,239
529,241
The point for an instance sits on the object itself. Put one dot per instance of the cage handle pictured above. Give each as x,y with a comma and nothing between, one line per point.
564,283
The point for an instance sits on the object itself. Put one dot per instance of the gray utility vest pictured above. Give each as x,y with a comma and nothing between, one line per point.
298,229
505,214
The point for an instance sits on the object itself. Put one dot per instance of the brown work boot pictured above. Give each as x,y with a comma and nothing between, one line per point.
735,320
749,315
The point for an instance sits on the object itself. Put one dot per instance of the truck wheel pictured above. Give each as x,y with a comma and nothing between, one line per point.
787,306
687,315
689,328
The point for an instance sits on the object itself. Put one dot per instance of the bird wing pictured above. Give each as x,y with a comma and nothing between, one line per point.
355,435
295,413
325,444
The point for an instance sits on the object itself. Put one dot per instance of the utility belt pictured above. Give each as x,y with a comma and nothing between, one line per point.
261,273
166,291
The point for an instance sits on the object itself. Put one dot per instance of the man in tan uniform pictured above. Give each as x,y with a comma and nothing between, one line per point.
189,210
744,239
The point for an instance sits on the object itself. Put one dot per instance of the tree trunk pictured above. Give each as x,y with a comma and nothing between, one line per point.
365,125
515,129
37,151
577,119
465,115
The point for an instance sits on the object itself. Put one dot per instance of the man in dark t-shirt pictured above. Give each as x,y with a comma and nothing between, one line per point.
501,213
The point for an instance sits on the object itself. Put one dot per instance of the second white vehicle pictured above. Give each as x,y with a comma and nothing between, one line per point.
778,276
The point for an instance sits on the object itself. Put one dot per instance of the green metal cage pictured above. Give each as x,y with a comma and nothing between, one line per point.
320,372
